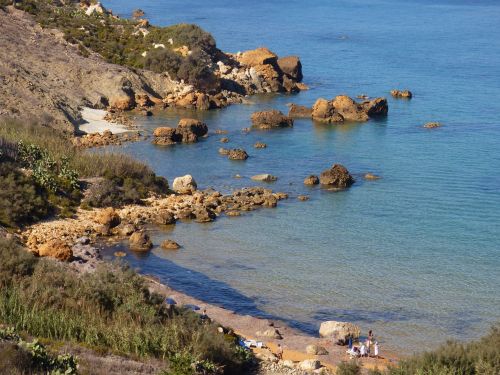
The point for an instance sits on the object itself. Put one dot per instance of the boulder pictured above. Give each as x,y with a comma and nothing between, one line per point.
323,110
203,102
164,217
291,66
299,111
337,176
309,365
184,185
237,154
303,198
108,217
268,74
264,177
316,350
122,102
272,333
260,145
271,119
170,245
165,136
126,229
140,241
259,56
376,107
339,330
57,249
311,180
196,126
224,140
349,109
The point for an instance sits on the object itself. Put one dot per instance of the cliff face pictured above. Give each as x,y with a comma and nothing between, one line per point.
45,78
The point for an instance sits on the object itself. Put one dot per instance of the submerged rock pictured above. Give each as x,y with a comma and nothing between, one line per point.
311,180
371,176
337,176
170,245
259,145
432,125
299,111
264,177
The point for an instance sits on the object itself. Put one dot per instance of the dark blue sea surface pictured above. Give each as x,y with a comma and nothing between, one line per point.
415,256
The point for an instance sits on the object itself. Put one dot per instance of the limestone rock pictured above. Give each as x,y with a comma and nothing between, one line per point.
349,109
57,249
271,119
259,56
184,185
309,365
337,176
371,176
224,140
339,330
223,151
108,217
291,66
259,145
264,177
170,245
405,94
140,241
375,108
196,126
316,350
311,180
323,110
303,198
432,125
164,217
237,154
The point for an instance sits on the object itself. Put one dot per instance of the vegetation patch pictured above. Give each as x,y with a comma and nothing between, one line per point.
111,309
131,42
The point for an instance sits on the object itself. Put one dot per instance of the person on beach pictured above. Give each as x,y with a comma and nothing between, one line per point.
204,317
349,342
279,352
362,351
375,349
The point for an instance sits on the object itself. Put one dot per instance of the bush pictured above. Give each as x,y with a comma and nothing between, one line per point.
15,360
16,264
161,60
348,368
22,200
110,309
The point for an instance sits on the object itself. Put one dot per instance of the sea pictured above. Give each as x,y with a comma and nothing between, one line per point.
414,255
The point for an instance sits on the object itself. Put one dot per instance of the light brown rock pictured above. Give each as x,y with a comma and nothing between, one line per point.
57,249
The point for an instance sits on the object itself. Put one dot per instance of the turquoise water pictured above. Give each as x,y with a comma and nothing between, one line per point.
415,256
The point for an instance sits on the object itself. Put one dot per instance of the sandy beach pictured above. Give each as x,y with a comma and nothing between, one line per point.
294,342
95,123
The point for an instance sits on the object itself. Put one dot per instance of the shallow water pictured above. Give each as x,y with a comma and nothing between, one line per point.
415,256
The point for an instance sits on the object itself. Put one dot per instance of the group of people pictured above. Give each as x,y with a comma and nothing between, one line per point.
367,348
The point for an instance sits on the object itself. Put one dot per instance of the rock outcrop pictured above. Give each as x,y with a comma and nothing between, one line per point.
187,131
341,108
291,66
339,331
184,185
270,120
337,176
170,245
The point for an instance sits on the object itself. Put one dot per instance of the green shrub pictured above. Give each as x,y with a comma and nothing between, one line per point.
15,360
22,200
16,264
161,60
110,309
348,368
